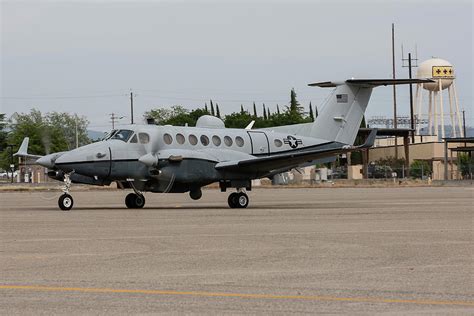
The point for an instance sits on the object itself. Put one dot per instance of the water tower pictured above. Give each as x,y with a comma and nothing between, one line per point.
442,72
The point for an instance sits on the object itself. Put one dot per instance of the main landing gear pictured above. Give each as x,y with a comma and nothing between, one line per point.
65,201
135,200
238,200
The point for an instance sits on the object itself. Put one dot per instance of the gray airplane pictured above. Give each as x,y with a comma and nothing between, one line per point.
176,159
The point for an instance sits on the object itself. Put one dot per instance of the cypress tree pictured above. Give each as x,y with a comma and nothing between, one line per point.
206,109
212,109
264,112
218,113
278,109
311,114
254,111
241,109
295,108
316,112
268,113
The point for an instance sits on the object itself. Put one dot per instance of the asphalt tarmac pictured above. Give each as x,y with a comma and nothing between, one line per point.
293,251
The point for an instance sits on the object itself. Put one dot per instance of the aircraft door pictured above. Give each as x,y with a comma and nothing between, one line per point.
260,143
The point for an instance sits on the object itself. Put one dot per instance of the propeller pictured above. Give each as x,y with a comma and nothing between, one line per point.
164,174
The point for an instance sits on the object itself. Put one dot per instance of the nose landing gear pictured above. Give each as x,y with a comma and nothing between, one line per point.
135,200
238,200
65,201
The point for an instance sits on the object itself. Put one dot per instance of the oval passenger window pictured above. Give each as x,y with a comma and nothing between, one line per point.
239,141
167,139
180,138
193,140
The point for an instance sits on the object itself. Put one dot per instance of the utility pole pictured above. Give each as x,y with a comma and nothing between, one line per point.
114,118
394,90
464,122
412,117
131,107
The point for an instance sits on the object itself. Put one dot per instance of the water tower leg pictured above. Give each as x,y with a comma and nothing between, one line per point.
441,108
430,113
435,106
461,131
419,99
451,113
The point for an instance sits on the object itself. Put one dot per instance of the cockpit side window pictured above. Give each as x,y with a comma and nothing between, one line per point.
134,139
144,138
109,135
123,134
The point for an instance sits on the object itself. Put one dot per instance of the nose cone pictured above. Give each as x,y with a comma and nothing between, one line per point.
49,161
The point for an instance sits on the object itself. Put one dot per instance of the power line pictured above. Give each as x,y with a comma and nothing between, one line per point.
65,97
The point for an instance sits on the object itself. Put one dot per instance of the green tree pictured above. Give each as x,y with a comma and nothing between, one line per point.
264,113
311,114
295,108
278,109
218,112
420,169
255,110
465,165
48,133
212,109
238,119
268,113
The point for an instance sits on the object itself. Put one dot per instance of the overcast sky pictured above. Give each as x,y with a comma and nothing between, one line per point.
84,57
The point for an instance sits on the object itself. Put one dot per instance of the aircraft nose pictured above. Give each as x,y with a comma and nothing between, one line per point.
45,161
49,161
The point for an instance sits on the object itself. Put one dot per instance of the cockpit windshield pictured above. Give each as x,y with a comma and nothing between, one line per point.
123,134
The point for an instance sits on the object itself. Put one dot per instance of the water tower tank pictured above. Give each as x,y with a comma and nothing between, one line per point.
436,69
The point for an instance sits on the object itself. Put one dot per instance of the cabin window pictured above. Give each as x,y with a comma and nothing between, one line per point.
216,140
167,138
204,140
134,139
144,138
278,143
180,138
228,141
193,140
239,141
123,134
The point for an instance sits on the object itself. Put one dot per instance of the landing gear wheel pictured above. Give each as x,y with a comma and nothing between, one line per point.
134,200
195,194
238,200
242,200
232,200
65,202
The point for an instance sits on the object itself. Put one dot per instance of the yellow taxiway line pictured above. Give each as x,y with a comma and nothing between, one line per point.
236,295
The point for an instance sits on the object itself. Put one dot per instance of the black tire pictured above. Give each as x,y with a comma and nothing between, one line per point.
232,200
242,200
133,200
129,200
195,194
65,202
139,201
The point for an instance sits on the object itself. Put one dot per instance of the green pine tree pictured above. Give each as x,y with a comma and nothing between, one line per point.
254,111
311,114
212,109
218,113
242,109
278,110
264,112
268,113
316,112
206,109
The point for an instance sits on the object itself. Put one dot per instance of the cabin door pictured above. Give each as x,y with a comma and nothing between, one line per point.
260,145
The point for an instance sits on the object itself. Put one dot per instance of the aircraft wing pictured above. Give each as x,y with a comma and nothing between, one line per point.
292,159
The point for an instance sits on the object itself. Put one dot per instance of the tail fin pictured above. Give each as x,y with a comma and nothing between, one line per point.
342,114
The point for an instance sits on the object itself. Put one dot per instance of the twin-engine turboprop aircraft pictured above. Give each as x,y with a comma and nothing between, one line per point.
173,159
